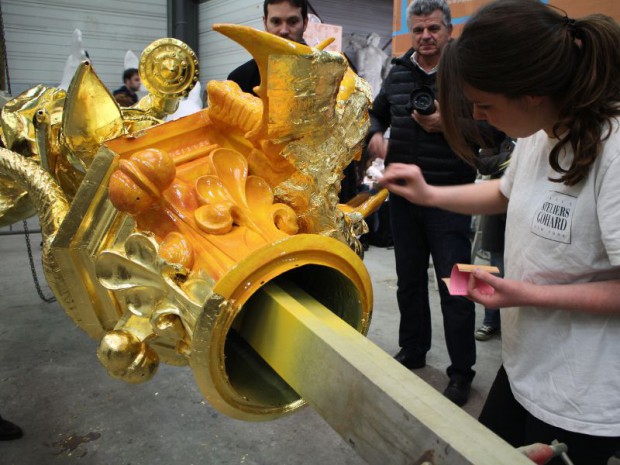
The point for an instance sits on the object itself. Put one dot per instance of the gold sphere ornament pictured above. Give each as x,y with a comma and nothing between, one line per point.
126,357
169,68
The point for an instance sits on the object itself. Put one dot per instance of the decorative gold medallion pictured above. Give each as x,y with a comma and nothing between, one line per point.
169,68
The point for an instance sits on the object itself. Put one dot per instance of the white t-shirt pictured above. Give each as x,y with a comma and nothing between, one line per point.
563,366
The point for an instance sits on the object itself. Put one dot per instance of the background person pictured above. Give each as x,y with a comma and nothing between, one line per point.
420,231
126,95
553,83
285,18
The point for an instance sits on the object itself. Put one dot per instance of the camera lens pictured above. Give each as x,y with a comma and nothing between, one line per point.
423,101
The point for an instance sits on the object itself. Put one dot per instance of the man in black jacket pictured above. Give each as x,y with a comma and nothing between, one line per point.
284,18
406,105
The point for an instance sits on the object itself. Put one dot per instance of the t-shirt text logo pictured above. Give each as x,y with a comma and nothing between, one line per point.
553,220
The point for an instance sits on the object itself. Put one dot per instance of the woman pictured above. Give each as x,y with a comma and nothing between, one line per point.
553,83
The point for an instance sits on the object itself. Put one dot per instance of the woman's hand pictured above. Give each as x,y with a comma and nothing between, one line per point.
506,292
599,297
408,182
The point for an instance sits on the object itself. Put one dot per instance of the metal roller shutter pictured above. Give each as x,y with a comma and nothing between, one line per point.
218,54
39,36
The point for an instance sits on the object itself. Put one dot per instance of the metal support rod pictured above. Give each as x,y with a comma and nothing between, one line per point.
384,411
562,451
20,232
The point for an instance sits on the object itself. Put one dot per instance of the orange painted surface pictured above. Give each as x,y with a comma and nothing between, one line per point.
461,9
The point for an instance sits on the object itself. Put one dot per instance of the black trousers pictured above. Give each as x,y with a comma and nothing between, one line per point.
420,232
503,415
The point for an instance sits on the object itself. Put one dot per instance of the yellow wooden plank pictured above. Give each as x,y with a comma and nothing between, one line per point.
384,411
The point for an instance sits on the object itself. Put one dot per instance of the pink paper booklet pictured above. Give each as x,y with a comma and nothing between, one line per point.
457,282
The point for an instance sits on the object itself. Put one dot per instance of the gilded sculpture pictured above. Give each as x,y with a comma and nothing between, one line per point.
165,230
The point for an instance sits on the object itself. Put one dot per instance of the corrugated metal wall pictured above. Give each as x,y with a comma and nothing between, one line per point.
39,36
219,55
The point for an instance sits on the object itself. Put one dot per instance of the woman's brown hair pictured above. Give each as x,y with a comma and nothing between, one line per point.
518,48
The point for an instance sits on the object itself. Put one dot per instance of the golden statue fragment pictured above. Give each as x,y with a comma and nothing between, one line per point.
157,235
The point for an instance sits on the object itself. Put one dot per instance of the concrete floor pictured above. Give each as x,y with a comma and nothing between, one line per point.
53,386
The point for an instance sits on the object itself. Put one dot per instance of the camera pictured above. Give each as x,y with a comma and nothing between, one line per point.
422,100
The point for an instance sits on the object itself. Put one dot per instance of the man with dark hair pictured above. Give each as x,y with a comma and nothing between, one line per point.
419,232
303,4
284,18
126,95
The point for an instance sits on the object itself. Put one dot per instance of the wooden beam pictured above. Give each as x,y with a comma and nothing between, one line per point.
384,411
